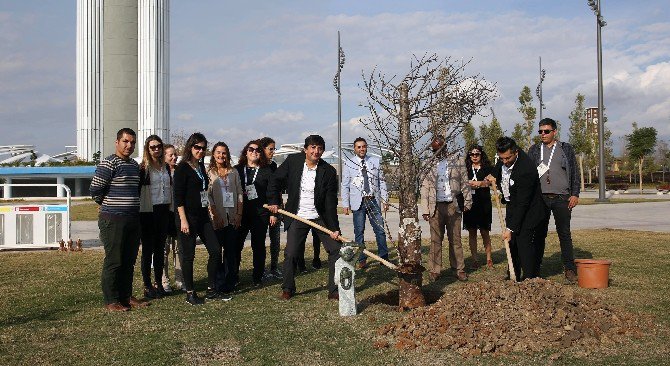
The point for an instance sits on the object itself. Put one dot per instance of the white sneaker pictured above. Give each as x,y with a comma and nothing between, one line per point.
167,288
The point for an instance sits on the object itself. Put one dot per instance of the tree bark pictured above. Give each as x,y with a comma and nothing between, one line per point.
581,169
409,234
640,171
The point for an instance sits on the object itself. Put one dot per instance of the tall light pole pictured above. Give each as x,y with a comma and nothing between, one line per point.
336,84
596,6
538,90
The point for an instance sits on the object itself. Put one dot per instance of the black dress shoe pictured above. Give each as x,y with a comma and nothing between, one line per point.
193,299
150,293
316,263
334,296
160,291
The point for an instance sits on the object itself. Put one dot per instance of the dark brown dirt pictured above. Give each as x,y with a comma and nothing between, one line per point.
500,317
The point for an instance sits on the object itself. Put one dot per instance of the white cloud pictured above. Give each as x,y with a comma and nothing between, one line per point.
281,116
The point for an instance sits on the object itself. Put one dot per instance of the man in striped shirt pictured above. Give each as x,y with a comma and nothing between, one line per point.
115,187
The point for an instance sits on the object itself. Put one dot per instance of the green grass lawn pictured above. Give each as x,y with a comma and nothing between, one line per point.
51,313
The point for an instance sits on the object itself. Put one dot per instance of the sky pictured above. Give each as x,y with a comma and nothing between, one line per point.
245,69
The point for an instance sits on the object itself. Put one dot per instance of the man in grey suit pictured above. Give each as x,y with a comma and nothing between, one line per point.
364,193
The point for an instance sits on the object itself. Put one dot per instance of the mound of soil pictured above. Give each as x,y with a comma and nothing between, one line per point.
499,317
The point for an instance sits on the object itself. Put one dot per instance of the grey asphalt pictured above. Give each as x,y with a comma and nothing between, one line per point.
647,216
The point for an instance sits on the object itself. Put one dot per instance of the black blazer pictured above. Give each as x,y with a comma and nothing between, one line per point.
187,188
288,177
261,184
525,211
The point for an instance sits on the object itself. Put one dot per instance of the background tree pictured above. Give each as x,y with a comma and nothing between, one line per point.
579,137
488,134
662,157
519,135
528,112
640,144
469,135
434,97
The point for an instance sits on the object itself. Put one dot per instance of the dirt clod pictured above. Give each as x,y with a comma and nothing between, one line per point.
496,317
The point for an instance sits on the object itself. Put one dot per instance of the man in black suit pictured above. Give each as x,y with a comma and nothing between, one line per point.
519,183
311,184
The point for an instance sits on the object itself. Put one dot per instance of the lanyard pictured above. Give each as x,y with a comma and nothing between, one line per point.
201,176
252,179
551,156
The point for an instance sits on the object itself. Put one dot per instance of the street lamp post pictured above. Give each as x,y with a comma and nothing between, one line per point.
596,6
336,84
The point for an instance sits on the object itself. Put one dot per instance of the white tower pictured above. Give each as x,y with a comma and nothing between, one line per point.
89,78
153,70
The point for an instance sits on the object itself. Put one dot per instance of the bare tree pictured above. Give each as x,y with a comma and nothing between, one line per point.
434,98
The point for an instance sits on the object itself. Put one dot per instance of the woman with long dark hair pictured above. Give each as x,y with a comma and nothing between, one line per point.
225,206
193,220
269,147
155,200
479,217
255,175
170,156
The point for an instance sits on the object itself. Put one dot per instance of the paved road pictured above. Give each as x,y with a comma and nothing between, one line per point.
648,216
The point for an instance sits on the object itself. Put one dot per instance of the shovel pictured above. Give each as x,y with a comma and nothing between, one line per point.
344,240
496,198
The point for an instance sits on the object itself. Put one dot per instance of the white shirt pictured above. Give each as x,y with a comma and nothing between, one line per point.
160,186
306,207
506,181
443,190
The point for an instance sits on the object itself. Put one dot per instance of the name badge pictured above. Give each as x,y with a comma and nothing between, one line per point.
251,191
358,182
541,169
204,200
228,199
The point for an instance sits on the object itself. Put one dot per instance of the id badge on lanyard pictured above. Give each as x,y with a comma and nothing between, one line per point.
204,200
250,189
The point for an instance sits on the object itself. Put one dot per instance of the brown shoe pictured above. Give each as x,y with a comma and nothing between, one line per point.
285,295
433,276
362,264
570,276
117,306
334,296
133,302
462,276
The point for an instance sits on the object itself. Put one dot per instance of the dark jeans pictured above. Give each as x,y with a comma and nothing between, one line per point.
258,227
274,232
370,208
558,206
316,247
199,226
154,232
297,234
225,279
524,253
120,237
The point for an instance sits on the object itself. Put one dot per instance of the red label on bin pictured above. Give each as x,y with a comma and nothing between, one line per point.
28,208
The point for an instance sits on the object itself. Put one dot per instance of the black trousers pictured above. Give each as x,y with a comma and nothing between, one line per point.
558,206
316,246
120,237
274,232
199,226
154,232
524,253
257,225
297,234
225,278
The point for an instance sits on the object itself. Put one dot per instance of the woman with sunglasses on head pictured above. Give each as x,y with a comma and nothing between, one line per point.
479,216
170,156
192,202
225,206
269,147
155,200
255,175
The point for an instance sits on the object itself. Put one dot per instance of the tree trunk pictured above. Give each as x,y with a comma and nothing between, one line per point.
590,170
409,234
640,171
581,170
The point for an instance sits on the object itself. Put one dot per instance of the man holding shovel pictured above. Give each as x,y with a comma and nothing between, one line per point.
519,183
311,184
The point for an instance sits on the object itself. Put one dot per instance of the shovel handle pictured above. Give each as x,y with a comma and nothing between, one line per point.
508,253
330,232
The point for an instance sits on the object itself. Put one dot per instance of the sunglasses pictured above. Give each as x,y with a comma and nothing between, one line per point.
156,147
271,148
475,154
253,150
199,147
544,132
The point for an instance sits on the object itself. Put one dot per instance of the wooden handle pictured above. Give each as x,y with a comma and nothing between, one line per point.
340,238
496,198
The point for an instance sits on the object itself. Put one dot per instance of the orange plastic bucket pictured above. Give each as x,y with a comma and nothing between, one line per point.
593,273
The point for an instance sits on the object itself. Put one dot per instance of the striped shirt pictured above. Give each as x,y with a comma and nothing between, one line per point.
115,186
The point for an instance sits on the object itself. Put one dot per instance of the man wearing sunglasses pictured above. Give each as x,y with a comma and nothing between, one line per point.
557,168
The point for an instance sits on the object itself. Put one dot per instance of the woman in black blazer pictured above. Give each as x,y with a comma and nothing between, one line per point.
191,200
255,175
